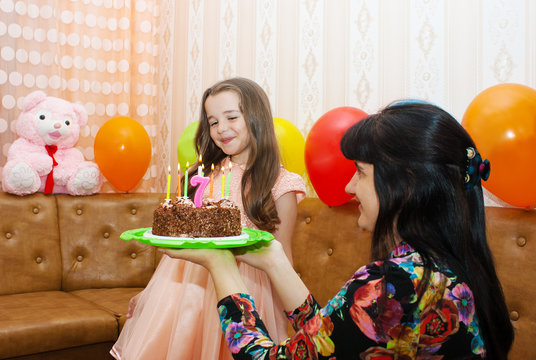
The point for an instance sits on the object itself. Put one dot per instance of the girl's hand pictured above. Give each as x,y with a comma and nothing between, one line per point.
261,255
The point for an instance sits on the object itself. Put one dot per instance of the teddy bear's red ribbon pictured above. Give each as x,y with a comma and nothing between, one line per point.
49,184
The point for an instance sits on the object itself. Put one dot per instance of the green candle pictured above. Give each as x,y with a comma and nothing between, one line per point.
228,185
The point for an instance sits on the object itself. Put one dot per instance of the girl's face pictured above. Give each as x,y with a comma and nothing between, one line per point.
227,125
362,186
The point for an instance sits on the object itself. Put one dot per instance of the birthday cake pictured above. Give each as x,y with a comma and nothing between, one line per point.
180,218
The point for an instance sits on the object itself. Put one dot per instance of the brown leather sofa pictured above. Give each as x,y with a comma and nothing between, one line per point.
66,277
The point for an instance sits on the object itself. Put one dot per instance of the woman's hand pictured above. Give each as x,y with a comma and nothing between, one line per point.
261,255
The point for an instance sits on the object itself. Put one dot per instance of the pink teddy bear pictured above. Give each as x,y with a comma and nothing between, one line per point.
44,158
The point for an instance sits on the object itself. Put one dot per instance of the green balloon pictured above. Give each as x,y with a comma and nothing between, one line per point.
186,145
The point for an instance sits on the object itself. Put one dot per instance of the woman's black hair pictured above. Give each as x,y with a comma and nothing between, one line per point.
420,159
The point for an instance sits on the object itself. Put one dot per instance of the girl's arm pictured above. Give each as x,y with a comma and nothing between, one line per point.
287,210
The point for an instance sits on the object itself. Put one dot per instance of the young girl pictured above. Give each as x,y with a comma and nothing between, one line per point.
432,292
174,317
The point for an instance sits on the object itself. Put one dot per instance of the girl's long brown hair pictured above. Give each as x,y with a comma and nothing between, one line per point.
262,168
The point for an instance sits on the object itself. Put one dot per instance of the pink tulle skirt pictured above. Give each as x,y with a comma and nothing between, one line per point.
176,316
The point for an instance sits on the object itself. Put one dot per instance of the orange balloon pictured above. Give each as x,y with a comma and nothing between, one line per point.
123,152
502,122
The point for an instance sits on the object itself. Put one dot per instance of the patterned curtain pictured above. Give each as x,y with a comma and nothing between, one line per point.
104,54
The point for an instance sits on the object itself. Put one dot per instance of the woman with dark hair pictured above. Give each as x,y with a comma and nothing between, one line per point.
431,292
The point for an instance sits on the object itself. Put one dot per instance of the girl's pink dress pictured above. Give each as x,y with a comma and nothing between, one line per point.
176,316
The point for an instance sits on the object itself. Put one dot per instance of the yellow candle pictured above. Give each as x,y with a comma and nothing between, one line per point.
211,180
179,180
168,181
228,180
186,180
222,181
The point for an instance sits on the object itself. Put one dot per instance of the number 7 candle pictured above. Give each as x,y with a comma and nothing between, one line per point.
202,182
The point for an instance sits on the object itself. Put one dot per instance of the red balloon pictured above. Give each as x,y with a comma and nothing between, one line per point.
123,152
502,122
328,169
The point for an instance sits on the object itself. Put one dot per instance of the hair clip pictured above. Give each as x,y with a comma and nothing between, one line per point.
476,169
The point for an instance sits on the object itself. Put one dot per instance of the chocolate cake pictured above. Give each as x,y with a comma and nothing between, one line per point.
180,218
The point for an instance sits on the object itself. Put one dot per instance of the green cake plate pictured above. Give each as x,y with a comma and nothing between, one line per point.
248,237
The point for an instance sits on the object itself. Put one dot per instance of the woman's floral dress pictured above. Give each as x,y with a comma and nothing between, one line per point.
360,323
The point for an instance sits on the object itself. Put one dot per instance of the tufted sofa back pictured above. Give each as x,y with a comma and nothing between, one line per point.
93,255
30,255
64,242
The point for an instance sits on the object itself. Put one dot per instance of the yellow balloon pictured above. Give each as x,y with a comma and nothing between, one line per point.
291,145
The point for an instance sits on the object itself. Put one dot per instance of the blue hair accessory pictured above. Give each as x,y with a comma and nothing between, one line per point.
476,169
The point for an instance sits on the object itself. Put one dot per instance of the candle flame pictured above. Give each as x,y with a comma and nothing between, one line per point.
200,158
179,167
168,169
187,165
212,167
230,165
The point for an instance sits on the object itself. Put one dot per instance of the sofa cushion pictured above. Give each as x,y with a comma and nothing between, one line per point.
30,257
93,254
45,321
114,301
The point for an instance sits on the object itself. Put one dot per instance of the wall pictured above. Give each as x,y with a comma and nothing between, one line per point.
312,55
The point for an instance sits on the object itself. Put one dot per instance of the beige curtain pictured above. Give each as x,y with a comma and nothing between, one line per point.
104,54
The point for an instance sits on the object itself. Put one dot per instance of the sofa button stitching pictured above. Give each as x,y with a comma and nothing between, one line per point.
514,315
330,251
133,255
133,211
39,259
308,220
8,235
521,241
106,235
79,212
35,210
79,258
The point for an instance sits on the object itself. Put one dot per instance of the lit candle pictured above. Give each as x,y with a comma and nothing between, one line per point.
211,180
222,181
202,182
168,181
179,180
228,180
186,180
200,166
